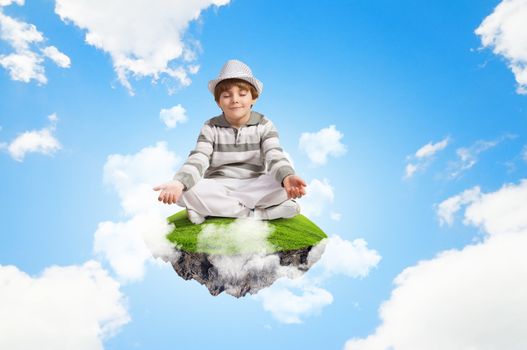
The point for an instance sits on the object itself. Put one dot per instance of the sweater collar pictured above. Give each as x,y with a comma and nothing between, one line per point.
220,120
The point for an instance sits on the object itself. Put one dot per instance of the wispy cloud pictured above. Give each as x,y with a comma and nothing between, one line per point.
318,146
26,63
70,307
504,31
147,39
174,115
40,141
423,157
469,156
435,299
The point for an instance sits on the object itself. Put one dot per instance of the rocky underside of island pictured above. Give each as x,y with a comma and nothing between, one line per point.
238,275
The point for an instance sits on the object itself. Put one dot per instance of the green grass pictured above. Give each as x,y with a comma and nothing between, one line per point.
287,234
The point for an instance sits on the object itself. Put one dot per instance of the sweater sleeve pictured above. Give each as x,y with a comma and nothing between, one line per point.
275,160
198,160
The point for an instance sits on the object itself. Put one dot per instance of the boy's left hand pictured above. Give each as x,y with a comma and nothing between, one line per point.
294,186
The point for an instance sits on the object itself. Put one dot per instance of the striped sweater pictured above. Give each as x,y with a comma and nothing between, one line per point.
222,151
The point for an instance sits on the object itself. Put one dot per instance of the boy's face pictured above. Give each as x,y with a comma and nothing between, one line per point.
236,105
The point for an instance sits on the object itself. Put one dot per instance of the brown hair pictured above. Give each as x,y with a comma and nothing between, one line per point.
226,84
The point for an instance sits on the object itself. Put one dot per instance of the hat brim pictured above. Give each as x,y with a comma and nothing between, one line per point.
253,81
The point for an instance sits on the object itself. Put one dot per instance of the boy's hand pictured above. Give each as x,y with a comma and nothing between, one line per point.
170,191
294,186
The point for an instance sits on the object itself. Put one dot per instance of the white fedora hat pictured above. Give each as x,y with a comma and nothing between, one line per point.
239,70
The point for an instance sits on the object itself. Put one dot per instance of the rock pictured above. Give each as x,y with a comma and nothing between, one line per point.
238,275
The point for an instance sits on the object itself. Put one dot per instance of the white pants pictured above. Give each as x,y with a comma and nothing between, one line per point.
233,198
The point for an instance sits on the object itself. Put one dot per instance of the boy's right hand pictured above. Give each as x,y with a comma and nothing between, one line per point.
170,191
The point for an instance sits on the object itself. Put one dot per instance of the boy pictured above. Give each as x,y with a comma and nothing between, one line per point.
238,168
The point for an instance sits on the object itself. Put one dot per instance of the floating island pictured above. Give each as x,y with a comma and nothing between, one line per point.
240,256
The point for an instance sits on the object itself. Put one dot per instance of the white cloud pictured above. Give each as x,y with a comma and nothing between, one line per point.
318,195
130,174
56,56
423,157
20,35
348,258
430,149
147,38
9,2
24,67
495,213
174,115
501,212
472,298
335,216
36,141
410,170
72,307
129,244
292,299
504,31
318,146
26,63
243,235
193,69
447,208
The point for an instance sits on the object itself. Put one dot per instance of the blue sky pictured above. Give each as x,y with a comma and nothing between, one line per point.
401,83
